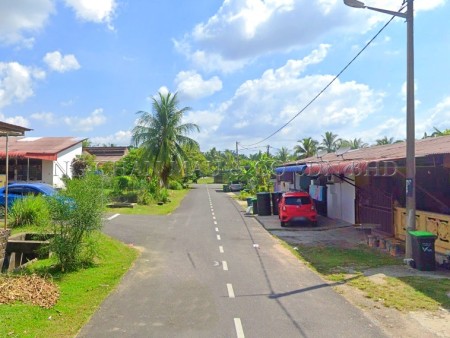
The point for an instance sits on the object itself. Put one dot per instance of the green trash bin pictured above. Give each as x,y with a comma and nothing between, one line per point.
249,201
255,205
423,253
226,188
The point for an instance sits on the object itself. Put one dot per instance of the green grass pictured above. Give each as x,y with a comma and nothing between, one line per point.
175,196
81,292
205,180
406,293
346,265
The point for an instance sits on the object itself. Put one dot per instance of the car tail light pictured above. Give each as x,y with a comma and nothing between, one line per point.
313,207
284,208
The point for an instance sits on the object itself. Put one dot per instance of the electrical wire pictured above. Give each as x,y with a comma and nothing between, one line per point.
328,85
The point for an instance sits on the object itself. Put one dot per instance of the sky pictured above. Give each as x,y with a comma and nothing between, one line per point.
245,68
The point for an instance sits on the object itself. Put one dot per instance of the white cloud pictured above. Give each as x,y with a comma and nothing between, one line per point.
87,123
438,116
242,30
57,62
48,118
262,105
99,11
16,82
120,138
22,18
191,85
16,120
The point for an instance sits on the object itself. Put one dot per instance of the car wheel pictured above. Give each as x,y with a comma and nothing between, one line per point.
283,224
314,224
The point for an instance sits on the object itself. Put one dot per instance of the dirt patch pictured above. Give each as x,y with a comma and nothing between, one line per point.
29,289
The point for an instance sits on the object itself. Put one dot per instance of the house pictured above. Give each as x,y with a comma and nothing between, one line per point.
367,186
42,159
106,154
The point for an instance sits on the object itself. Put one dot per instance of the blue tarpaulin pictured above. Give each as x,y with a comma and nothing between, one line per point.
290,169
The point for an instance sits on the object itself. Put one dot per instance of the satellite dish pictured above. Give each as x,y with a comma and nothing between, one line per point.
321,153
341,151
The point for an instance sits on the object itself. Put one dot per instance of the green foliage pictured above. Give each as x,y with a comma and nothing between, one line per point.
122,182
76,221
163,195
82,164
175,185
162,137
31,210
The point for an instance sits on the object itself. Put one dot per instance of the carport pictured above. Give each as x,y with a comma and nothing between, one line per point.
7,130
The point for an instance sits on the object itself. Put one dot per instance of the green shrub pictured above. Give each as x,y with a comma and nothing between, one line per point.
144,197
31,210
163,195
175,185
76,222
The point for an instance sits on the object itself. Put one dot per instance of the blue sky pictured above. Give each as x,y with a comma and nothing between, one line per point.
84,68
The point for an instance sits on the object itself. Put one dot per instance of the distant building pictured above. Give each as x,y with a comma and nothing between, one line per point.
106,154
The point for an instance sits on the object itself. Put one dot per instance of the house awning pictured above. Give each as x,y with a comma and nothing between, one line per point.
347,168
24,154
290,169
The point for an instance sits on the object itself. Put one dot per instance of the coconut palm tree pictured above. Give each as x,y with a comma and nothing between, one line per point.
283,155
329,141
306,148
386,140
162,136
356,143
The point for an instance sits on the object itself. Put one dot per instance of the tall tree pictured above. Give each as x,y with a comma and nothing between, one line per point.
306,148
283,155
356,143
162,135
386,140
329,141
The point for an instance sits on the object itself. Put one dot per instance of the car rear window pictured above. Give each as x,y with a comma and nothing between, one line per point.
301,200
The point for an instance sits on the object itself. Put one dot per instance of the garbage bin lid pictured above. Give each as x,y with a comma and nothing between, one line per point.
422,234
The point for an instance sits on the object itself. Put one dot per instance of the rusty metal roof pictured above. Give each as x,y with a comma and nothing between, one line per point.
107,154
425,147
12,129
37,147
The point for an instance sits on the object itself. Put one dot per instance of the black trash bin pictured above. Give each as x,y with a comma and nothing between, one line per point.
255,205
423,254
276,196
264,208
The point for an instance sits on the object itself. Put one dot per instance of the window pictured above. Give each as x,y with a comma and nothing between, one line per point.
301,200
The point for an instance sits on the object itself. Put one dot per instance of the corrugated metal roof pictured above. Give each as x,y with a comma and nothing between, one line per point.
425,147
12,129
36,147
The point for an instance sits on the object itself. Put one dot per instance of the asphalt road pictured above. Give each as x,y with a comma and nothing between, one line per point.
208,270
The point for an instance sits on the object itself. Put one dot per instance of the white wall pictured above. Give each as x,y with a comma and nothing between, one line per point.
341,201
53,171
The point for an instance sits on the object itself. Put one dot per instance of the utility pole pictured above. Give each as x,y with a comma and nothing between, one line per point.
268,150
237,153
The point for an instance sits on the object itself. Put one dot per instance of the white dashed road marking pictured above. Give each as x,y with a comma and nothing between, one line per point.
221,249
112,217
239,329
225,265
230,291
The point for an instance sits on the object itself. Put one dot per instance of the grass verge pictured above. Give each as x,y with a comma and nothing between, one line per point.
205,180
175,196
81,292
347,266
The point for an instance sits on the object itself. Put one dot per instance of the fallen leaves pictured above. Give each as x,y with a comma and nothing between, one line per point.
29,289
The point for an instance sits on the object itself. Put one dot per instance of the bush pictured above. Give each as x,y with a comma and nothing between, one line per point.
31,210
175,185
163,195
144,197
76,222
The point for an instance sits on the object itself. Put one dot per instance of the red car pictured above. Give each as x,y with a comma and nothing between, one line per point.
296,206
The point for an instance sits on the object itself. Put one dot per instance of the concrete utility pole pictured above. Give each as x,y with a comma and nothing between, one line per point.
268,150
237,153
410,124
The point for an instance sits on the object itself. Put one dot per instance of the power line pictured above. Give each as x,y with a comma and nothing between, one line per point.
328,85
